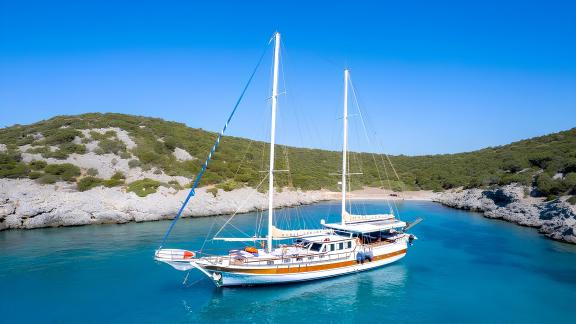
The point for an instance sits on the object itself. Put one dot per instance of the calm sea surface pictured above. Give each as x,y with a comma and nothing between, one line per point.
463,268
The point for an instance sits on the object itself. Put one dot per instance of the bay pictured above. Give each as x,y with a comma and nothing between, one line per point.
463,268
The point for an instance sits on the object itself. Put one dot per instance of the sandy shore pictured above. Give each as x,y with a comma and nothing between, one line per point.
383,194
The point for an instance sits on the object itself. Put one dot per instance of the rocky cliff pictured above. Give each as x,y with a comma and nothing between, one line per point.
555,219
26,204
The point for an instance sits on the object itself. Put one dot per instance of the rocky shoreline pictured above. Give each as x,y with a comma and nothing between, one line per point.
555,219
24,204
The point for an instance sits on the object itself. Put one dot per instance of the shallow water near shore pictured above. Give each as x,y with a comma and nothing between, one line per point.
463,268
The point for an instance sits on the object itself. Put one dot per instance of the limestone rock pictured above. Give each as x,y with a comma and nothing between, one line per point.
26,204
555,219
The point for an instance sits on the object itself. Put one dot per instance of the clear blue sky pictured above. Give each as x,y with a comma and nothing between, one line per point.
433,76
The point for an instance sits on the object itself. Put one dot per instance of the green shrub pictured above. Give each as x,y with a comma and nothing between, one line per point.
112,146
14,170
47,179
10,157
60,136
25,140
58,154
144,187
35,175
549,187
175,184
148,156
540,160
170,143
69,148
572,200
551,197
213,191
113,182
38,164
228,185
98,136
118,175
134,163
38,150
67,172
92,172
570,182
88,183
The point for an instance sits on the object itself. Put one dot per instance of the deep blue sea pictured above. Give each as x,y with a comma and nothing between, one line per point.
463,269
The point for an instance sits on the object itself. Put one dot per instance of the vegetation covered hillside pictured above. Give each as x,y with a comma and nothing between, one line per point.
547,162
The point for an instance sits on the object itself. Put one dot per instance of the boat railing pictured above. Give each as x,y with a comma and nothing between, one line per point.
380,243
283,260
174,255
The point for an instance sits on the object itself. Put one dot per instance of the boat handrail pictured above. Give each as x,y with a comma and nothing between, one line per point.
304,259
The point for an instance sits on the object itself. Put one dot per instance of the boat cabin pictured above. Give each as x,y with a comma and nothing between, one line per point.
370,231
325,243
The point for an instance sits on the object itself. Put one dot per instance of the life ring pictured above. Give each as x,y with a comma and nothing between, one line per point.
327,239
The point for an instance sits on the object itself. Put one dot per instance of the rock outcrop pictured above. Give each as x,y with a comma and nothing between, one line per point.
555,219
26,204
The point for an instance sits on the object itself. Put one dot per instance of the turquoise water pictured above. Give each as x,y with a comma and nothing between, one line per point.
463,268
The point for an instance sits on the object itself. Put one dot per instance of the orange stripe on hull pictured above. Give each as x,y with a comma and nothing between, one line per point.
302,268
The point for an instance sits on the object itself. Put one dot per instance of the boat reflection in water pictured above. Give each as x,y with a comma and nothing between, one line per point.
356,290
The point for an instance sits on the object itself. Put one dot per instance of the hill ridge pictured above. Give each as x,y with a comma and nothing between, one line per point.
547,162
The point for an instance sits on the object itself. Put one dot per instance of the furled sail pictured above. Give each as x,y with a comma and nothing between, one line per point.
279,234
353,218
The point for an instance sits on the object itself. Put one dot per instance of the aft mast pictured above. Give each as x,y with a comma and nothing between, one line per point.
272,140
345,144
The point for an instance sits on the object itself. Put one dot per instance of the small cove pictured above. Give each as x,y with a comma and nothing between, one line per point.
463,268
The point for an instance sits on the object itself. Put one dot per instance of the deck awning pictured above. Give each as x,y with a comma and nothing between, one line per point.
367,227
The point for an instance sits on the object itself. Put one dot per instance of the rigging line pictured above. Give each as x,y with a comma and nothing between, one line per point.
201,173
242,205
243,157
289,98
392,207
206,237
402,186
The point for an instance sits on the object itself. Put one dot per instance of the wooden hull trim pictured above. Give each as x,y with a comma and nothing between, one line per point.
232,277
247,280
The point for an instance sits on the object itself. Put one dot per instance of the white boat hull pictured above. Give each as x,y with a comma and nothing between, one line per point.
243,279
224,276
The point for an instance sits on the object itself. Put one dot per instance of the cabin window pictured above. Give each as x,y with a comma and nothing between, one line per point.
349,243
316,247
340,246
332,247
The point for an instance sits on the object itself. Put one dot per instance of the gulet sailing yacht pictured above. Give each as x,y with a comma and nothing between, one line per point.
356,243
